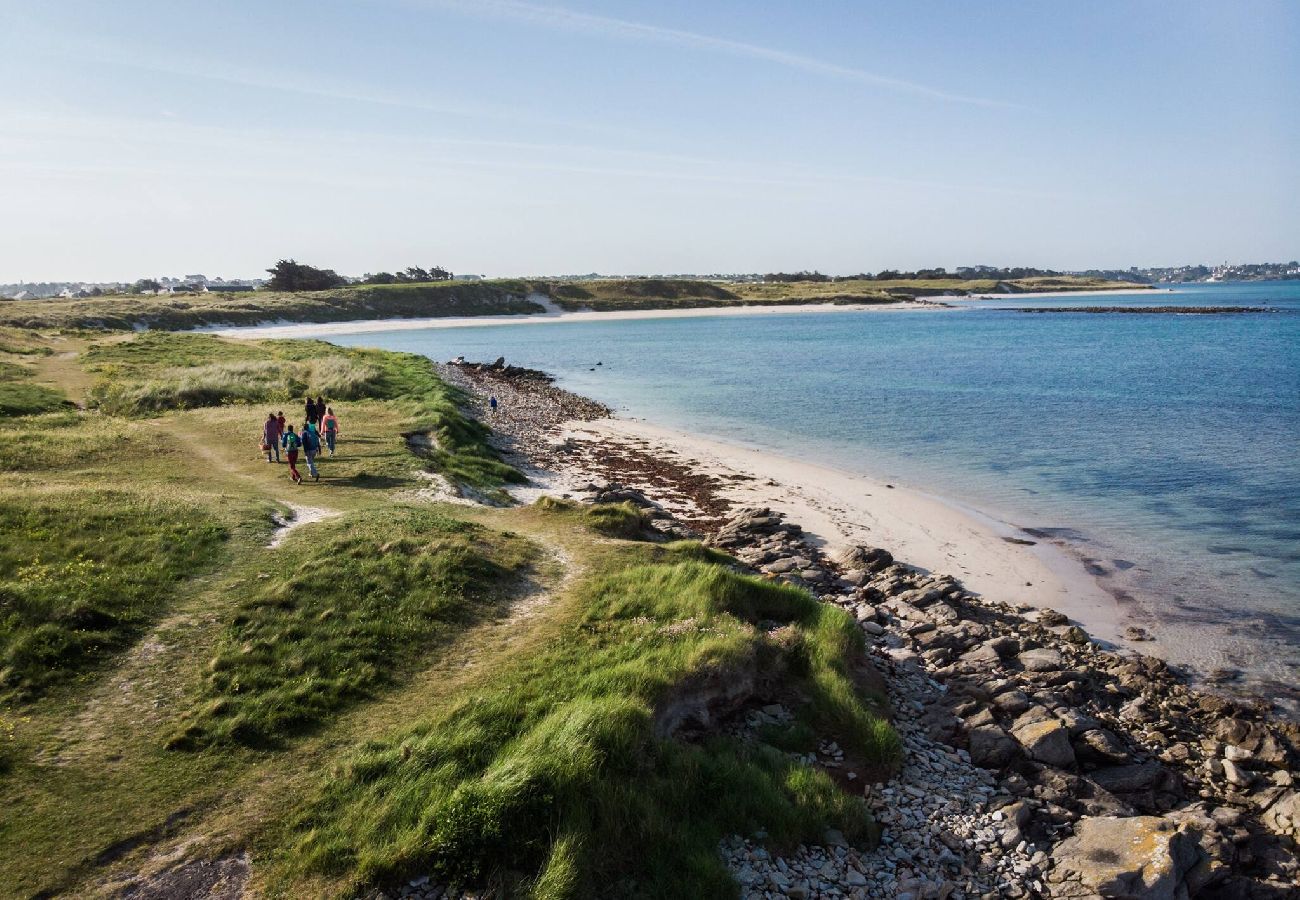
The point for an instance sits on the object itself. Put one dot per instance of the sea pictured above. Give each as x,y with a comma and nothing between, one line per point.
1162,450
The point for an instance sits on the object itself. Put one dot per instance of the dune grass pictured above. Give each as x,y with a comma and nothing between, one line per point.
337,617
551,780
379,301
81,574
496,297
159,371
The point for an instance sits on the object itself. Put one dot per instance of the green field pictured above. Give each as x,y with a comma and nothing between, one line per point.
406,686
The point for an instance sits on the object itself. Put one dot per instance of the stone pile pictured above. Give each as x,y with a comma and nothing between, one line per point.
1089,752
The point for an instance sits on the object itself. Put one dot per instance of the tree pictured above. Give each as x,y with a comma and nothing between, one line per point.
146,286
291,275
379,278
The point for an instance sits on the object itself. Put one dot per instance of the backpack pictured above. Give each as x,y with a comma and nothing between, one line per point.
292,441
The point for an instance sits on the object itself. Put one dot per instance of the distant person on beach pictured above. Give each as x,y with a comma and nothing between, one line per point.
311,447
492,402
330,427
271,432
310,414
291,443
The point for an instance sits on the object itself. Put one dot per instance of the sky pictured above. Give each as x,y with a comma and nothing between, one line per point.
512,138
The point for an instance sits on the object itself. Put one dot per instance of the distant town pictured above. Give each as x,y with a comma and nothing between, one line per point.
201,284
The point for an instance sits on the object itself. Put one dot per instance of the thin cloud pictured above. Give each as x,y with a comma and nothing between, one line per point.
558,17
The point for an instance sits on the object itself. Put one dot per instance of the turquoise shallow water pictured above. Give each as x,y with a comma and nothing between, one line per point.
1166,449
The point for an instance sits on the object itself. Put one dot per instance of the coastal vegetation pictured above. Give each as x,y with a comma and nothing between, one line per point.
484,694
437,299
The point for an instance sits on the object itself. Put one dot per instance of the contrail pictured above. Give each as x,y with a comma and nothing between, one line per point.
558,17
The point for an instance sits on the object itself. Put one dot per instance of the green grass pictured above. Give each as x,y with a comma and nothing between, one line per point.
550,780
19,397
81,574
339,616
401,688
620,520
159,371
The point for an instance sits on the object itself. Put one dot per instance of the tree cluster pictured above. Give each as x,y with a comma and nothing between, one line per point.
291,275
795,276
409,275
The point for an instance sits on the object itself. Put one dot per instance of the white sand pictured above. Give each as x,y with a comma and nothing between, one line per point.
1040,294
840,508
554,317
298,516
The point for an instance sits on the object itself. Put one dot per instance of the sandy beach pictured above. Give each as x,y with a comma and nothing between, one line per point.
556,316
840,509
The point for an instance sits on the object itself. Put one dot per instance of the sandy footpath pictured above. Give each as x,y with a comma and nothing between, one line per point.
554,317
841,508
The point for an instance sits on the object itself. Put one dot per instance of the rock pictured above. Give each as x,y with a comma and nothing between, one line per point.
1283,817
1050,618
1139,857
1100,745
1045,740
1076,635
867,558
991,747
1126,779
1043,659
1236,774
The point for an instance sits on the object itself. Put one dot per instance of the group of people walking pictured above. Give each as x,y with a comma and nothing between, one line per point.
320,430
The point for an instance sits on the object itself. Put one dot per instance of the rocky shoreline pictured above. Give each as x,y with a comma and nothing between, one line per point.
1037,763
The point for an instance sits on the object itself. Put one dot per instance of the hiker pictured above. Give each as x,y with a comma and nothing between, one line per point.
281,420
291,443
310,447
271,437
492,402
330,426
320,409
311,415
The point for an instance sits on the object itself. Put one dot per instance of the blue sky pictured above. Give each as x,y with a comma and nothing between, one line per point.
505,137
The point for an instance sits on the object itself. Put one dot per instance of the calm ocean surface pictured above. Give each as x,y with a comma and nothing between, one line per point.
1164,448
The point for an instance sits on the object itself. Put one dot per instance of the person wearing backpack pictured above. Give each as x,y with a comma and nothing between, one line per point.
330,426
291,443
310,447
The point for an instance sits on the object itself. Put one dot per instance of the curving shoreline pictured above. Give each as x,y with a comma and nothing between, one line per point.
1040,762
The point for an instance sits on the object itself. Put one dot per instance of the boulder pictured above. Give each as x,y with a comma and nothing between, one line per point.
1101,746
866,558
1138,857
1045,740
1043,659
1126,779
990,747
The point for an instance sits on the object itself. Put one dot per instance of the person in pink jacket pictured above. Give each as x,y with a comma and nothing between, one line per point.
329,426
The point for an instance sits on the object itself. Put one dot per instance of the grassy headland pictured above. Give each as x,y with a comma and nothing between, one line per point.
501,297
486,694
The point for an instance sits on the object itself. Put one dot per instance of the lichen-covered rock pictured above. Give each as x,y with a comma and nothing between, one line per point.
1044,739
1142,857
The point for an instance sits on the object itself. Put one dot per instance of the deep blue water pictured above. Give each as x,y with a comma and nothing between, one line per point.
1168,446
